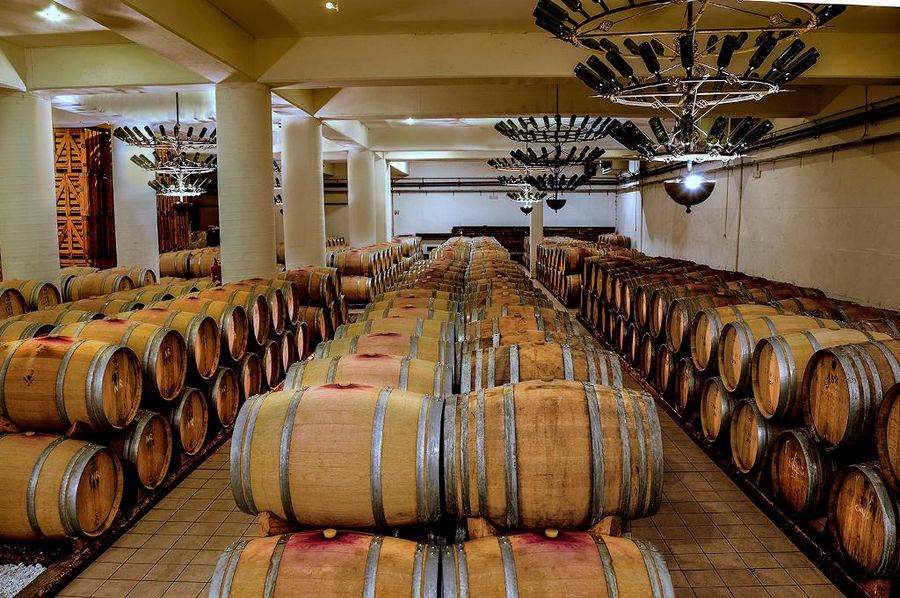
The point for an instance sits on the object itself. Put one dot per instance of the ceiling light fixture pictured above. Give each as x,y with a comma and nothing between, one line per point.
689,190
332,5
409,121
53,14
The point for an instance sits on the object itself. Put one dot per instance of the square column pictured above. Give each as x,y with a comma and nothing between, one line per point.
303,191
361,197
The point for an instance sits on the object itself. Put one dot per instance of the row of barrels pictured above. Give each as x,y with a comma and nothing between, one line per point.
523,452
560,265
105,408
369,271
189,263
796,390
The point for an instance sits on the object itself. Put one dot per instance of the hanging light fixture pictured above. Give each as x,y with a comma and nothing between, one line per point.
553,130
689,190
175,169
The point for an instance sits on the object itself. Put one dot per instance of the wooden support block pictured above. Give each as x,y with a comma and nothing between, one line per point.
480,528
271,524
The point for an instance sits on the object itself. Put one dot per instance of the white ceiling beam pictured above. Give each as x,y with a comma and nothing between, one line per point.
346,132
12,67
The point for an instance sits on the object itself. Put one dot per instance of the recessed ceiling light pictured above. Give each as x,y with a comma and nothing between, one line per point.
53,14
410,121
332,5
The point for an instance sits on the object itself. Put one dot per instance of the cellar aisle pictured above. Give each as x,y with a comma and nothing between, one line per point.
716,542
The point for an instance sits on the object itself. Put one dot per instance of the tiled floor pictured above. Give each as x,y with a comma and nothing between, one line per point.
715,540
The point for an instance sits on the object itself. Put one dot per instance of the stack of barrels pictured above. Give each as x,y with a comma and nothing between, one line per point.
542,446
794,390
560,261
368,271
189,263
102,408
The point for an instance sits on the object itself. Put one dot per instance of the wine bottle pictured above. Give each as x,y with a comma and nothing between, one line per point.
650,59
591,44
762,52
553,12
783,59
711,42
798,67
621,65
609,45
659,130
729,45
575,6
757,133
632,46
604,72
658,46
739,132
686,50
717,131
829,12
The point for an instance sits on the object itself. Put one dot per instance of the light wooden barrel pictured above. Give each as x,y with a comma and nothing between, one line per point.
316,320
37,294
412,293
863,518
779,365
234,328
301,338
145,448
682,312
537,361
564,563
78,270
527,336
358,289
646,360
497,327
144,295
249,375
663,297
426,302
12,303
224,396
800,473
200,334
175,263
287,350
104,305
48,384
287,447
316,285
326,564
59,316
751,437
716,407
706,329
161,351
54,487
390,343
887,437
189,418
688,384
552,454
255,306
270,359
738,340
666,366
843,389
424,313
142,277
445,331
14,330
275,299
93,285
405,373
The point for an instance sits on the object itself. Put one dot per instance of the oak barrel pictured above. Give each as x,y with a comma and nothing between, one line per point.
800,472
145,448
255,306
348,455
716,407
249,375
682,312
189,418
390,343
887,437
405,373
14,330
270,360
234,329
751,437
12,303
224,396
316,320
688,384
96,284
37,294
707,325
54,487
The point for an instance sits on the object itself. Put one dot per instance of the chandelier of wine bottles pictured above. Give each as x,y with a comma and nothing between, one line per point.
176,171
553,130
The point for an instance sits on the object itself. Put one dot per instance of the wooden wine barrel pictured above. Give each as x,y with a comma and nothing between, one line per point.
142,277
819,307
12,303
270,360
751,437
537,361
632,343
501,326
564,563
404,373
390,343
145,448
587,451
287,350
54,487
37,294
426,302
14,330
301,338
706,329
716,407
424,313
769,291
445,331
255,306
843,389
224,396
249,375
200,334
144,296
738,340
49,384
333,313
316,285
358,289
682,312
333,563
780,362
316,319
687,388
234,328
863,518
103,305
525,337
275,300
663,297
285,454
175,263
189,418
60,316
801,474
887,437
78,270
161,351
412,293
93,285
646,360
666,365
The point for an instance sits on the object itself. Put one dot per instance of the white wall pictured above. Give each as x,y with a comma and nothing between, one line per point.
828,220
439,211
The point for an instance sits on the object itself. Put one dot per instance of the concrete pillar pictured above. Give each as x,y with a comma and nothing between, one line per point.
389,202
536,234
244,131
361,196
380,199
137,232
303,192
29,246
